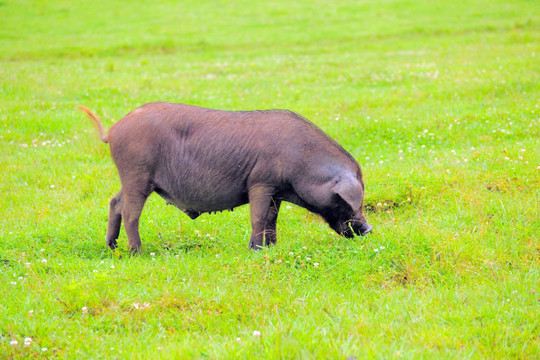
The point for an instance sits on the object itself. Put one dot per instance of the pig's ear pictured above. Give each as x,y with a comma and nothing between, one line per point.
351,192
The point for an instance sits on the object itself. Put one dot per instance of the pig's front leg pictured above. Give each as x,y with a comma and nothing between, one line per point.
270,236
260,202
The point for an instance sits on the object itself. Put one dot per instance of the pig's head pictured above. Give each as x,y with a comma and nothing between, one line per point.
344,211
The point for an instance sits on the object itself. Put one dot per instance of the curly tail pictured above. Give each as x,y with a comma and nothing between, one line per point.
95,118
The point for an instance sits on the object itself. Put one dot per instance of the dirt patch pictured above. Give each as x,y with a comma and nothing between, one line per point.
386,205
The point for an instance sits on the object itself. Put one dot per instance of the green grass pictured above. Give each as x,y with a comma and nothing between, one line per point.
439,102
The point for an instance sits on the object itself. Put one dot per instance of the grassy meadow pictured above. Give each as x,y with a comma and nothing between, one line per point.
439,102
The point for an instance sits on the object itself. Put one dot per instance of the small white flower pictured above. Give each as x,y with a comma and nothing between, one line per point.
375,250
84,310
305,248
102,262
308,259
382,247
44,349
31,313
238,339
316,265
257,333
291,253
152,254
141,306
27,341
112,266
13,283
14,342
44,261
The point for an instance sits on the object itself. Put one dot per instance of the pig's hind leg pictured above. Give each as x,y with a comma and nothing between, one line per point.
115,220
133,203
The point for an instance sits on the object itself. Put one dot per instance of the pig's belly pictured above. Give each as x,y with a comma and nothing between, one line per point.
194,201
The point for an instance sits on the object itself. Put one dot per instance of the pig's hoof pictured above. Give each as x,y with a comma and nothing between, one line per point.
135,250
112,244
255,247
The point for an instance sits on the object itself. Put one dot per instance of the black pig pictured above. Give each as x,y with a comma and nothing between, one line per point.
203,160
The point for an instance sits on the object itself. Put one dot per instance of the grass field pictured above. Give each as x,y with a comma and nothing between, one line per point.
438,100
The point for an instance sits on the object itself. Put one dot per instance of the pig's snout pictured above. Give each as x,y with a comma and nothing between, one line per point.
361,227
358,227
365,229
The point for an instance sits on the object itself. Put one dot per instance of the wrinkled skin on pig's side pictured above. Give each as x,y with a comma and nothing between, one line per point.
204,160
